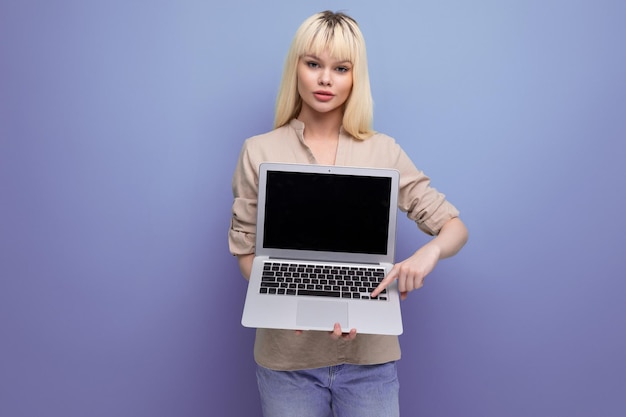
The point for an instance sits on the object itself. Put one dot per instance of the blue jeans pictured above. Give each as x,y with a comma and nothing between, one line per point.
335,391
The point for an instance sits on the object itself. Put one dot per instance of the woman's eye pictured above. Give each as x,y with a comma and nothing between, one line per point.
343,69
312,64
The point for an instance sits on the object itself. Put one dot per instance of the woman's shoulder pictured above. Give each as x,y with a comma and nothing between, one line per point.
380,149
275,145
273,134
382,137
379,140
269,138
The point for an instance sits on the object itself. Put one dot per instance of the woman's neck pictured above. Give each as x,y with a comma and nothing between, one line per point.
321,126
321,134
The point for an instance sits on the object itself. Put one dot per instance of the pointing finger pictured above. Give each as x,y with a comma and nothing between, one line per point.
391,276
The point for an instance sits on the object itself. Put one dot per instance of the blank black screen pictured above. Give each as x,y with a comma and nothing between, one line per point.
327,212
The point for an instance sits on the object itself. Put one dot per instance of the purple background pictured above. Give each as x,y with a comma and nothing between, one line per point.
120,125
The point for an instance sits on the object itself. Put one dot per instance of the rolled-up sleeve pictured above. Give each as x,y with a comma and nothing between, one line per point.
245,183
422,203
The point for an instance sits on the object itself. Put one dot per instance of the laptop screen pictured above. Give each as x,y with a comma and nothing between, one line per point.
327,212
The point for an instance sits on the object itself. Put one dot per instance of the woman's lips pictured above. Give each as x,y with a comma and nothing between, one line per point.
323,95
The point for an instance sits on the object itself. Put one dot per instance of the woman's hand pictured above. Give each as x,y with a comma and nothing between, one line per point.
337,334
411,272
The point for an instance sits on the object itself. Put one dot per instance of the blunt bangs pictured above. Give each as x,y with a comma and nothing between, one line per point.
339,39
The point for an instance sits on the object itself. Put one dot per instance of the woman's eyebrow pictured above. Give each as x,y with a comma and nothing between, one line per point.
315,57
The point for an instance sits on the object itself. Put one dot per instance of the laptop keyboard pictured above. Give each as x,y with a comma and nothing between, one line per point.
283,278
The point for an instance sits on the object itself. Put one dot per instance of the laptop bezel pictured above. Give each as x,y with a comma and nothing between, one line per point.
342,257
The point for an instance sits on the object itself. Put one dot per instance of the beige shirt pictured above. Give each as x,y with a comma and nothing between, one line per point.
284,349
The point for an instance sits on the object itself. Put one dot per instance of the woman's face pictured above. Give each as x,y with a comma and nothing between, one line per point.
324,83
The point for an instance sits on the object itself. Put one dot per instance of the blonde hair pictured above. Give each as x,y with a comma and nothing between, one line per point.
340,35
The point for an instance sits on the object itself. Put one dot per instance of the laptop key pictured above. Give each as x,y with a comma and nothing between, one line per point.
318,293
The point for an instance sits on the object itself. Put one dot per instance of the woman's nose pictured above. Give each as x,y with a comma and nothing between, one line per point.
324,78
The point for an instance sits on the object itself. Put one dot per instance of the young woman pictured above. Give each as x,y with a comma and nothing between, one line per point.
324,116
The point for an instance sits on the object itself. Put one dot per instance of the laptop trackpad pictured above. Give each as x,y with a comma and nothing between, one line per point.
320,313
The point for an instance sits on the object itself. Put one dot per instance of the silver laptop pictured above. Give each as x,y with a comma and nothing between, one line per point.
325,239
